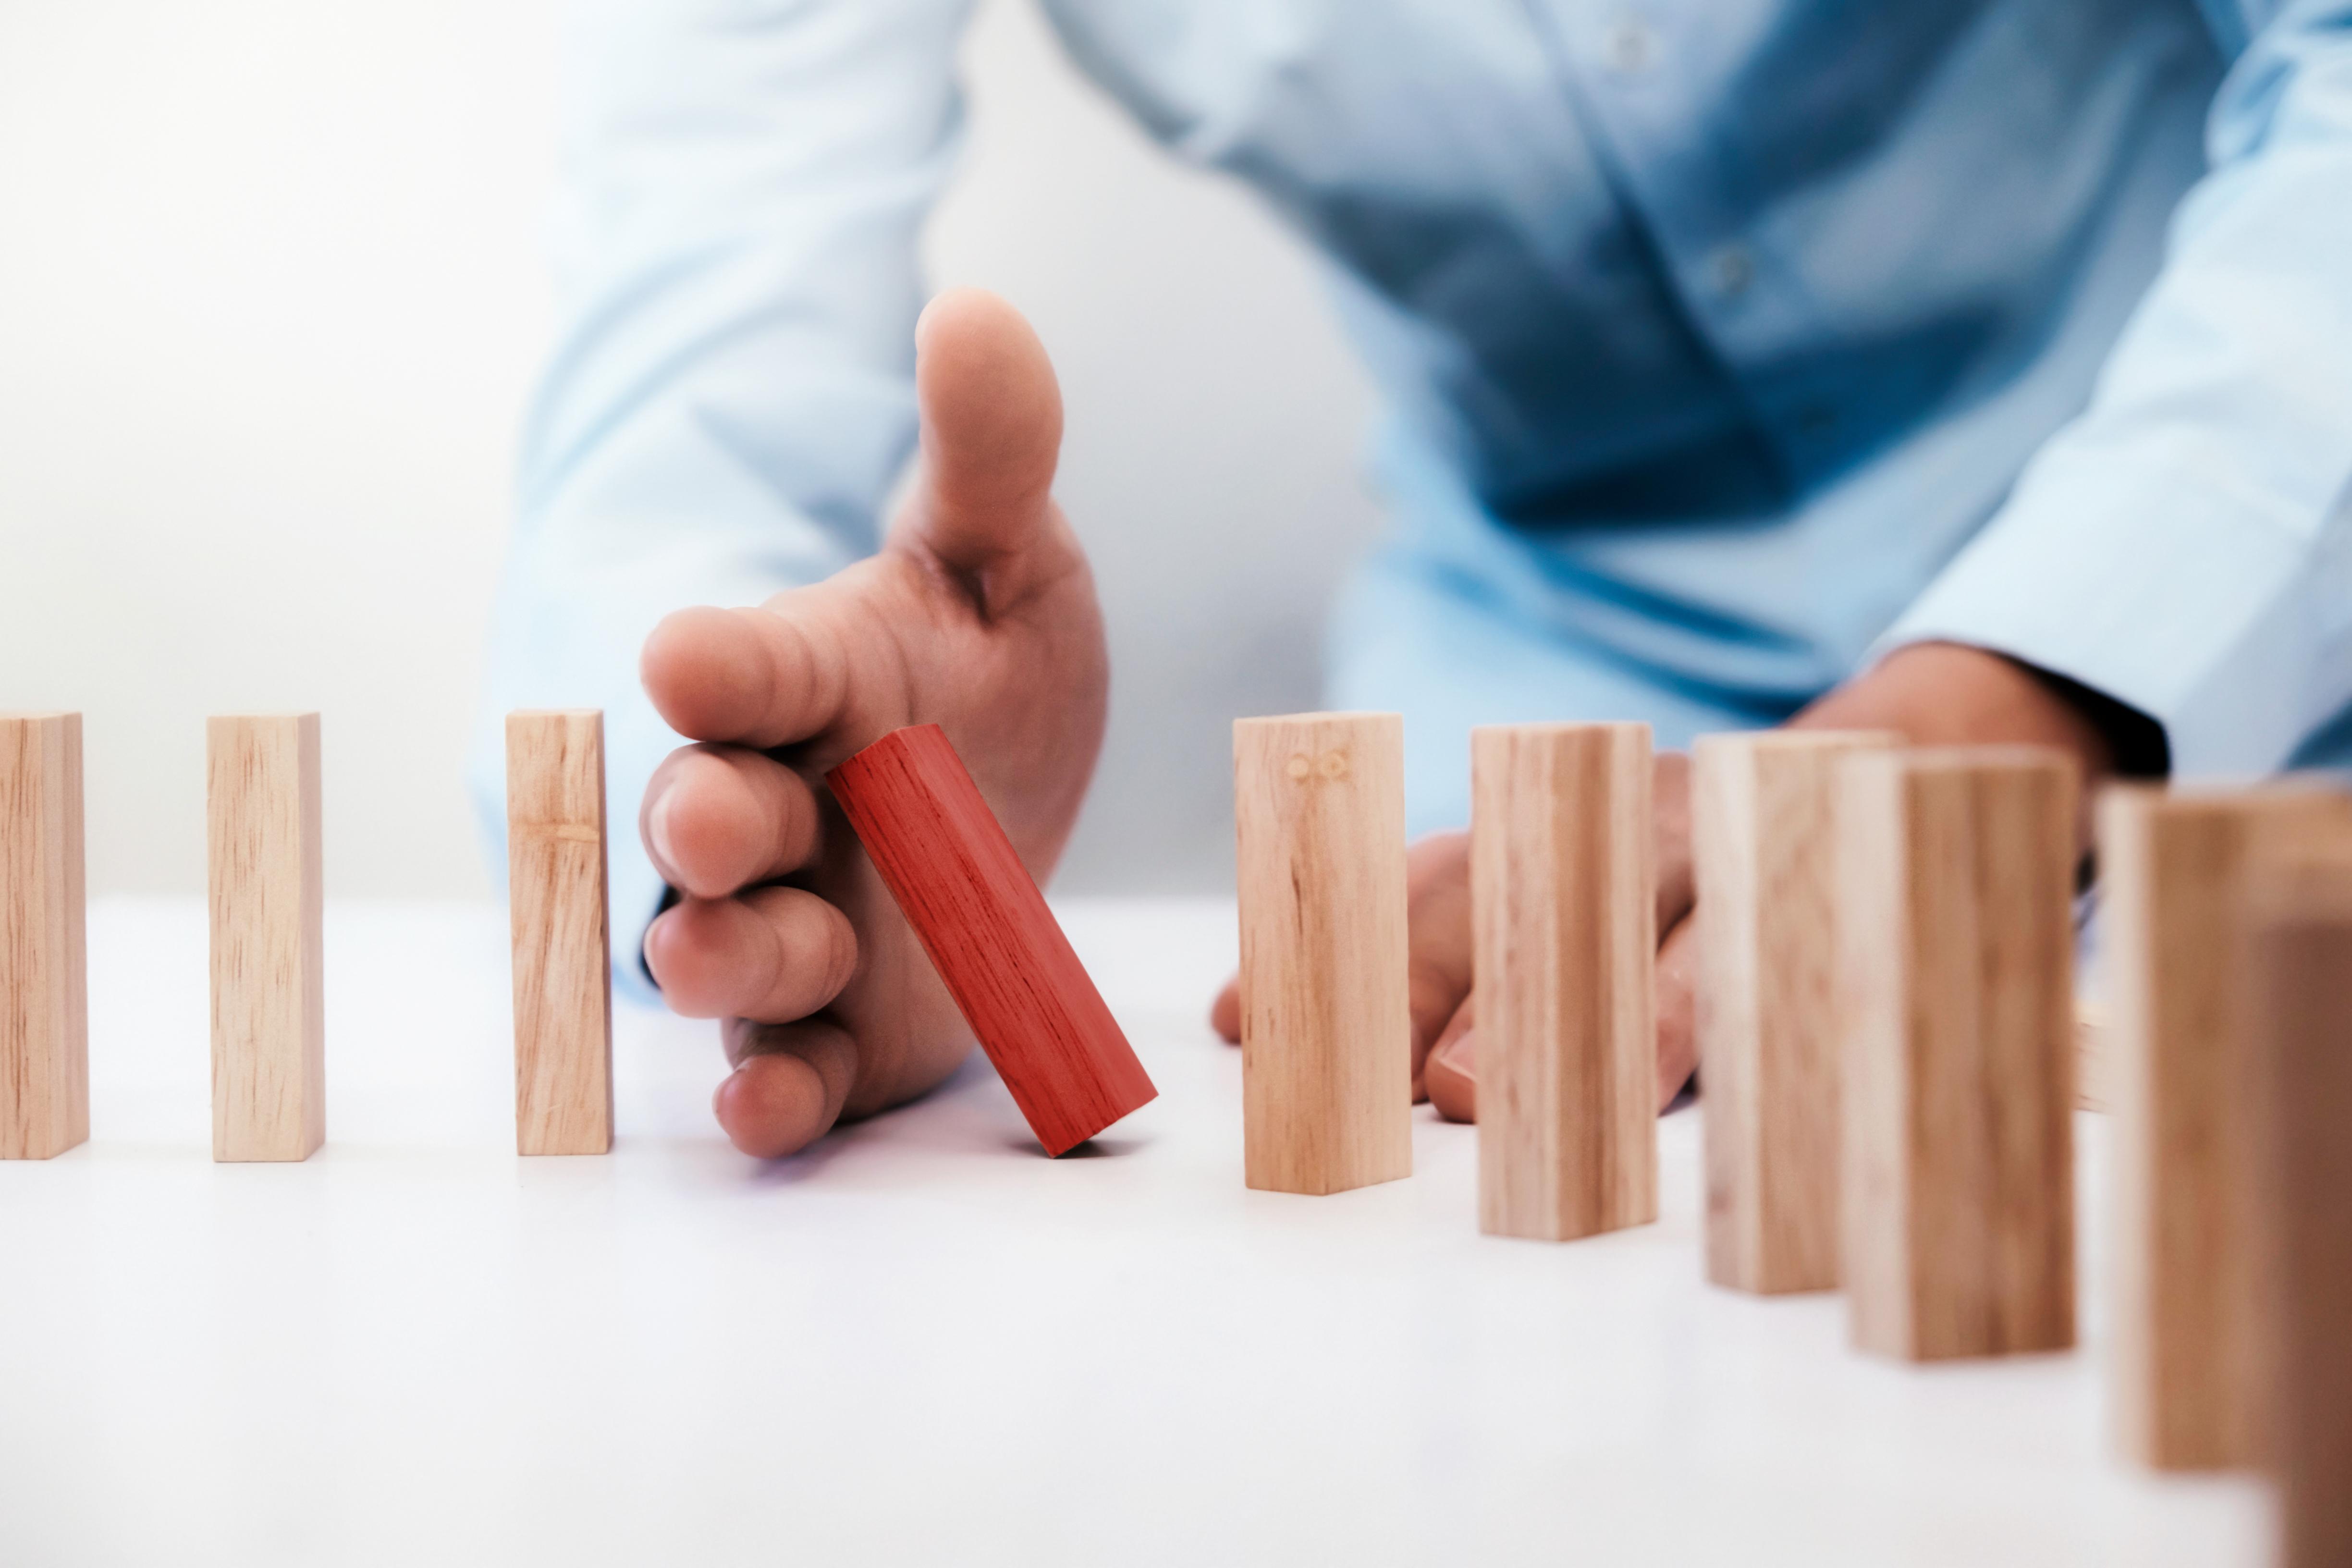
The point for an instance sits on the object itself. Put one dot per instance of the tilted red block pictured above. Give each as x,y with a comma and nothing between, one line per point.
980,916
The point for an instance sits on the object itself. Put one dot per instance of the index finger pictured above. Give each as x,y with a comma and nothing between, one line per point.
765,676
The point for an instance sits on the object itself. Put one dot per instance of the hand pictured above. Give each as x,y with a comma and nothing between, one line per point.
1931,693
1437,935
979,614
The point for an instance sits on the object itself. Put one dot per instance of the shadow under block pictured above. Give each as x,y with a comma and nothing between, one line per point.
1763,845
977,913
1327,1029
44,977
557,908
2173,867
1956,1016
2299,1019
270,1094
1564,945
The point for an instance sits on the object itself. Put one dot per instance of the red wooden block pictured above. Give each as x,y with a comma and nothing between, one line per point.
979,913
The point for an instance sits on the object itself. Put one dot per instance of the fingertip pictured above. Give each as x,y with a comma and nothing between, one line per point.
823,947
955,313
1225,1012
698,952
774,954
773,1106
718,819
707,672
665,944
661,840
991,407
1450,1076
703,827
1677,1011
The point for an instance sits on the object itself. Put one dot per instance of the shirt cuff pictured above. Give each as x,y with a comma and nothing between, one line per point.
2165,587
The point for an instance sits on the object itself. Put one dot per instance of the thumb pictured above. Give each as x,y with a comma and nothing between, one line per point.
992,432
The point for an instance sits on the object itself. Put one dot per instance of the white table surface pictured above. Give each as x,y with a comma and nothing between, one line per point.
925,1343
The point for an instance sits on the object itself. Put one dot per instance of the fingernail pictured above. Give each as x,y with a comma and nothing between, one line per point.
657,828
1461,1054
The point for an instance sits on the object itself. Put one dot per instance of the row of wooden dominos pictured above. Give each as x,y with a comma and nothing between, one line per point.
944,857
268,974
1886,1021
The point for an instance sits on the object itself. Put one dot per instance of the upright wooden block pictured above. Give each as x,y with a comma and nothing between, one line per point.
557,907
44,985
996,945
1955,999
1763,842
269,1092
1327,1030
1564,930
2093,1033
2174,869
2299,1021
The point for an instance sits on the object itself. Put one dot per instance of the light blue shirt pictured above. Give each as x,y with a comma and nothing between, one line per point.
1726,344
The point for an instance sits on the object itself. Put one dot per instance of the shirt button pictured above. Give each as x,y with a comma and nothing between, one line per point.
1733,268
1630,45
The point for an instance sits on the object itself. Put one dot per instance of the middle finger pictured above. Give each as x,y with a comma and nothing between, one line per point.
720,818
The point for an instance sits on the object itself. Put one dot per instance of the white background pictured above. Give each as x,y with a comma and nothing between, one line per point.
271,295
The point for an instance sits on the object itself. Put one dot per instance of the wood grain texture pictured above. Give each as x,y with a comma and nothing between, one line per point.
997,947
269,1088
1956,1021
2093,1037
2298,1017
1763,842
44,974
2173,874
1564,929
1326,1031
559,912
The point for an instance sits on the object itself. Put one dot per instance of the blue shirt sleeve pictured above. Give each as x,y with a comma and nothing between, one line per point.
741,190
2185,545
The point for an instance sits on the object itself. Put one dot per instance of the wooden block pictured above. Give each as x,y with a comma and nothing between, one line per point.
43,982
1956,1014
1564,927
2173,870
979,914
2298,1000
563,953
269,1092
1763,842
2093,1049
1326,1031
